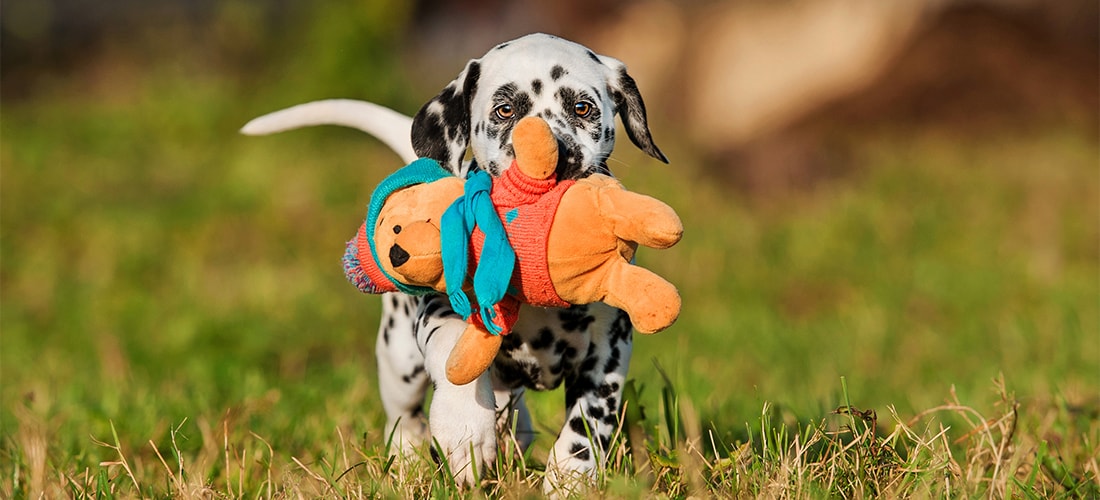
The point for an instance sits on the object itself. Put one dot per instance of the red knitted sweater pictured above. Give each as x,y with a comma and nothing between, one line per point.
526,206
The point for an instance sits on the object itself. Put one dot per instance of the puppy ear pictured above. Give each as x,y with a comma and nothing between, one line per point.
441,129
630,107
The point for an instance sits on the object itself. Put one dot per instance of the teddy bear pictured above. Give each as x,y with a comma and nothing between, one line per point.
524,237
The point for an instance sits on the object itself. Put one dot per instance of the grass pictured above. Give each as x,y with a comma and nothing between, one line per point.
174,321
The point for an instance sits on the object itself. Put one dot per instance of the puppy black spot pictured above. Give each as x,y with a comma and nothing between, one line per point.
501,46
621,328
557,72
575,318
536,86
606,390
417,370
577,424
469,86
613,361
430,310
593,56
580,450
589,364
546,337
577,387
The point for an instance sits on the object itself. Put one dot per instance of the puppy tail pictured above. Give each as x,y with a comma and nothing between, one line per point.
389,126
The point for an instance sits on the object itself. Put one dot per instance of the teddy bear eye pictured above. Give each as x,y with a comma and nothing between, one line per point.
396,229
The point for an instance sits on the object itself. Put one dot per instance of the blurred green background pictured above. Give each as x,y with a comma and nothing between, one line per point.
921,217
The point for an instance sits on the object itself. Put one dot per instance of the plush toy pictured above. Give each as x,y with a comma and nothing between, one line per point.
534,240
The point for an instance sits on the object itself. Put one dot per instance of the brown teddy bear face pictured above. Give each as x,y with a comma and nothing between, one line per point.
407,236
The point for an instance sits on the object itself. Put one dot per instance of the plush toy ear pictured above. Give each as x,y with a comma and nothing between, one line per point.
441,129
630,107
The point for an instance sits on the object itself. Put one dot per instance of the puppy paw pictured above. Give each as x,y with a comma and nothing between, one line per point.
463,427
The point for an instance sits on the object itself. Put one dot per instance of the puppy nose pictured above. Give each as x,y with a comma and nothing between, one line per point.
398,256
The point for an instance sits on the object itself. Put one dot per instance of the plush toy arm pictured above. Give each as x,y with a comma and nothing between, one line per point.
476,348
472,355
640,218
652,303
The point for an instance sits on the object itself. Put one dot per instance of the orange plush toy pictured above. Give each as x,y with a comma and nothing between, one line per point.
534,239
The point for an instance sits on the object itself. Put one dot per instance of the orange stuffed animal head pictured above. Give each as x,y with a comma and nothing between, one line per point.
398,246
406,235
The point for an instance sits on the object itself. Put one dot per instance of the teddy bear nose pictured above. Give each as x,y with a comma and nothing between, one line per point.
398,256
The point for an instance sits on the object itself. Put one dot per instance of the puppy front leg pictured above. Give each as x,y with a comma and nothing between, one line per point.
462,418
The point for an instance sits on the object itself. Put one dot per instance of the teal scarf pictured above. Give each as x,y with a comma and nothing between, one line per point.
494,269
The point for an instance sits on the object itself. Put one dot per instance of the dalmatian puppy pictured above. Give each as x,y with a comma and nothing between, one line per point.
587,347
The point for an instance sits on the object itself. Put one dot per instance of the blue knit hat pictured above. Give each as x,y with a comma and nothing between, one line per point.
418,172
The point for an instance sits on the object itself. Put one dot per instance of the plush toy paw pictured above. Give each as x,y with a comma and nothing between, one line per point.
472,355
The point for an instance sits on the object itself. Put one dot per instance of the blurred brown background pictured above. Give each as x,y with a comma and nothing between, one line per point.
767,93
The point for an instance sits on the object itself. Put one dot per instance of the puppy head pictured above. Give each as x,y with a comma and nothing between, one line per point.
575,90
406,234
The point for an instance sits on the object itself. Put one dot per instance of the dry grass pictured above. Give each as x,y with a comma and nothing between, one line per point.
952,450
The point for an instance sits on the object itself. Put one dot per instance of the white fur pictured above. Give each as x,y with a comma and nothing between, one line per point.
389,126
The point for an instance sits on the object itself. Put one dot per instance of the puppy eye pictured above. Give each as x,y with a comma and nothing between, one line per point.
504,111
582,108
396,229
